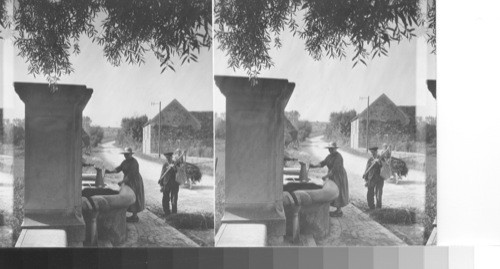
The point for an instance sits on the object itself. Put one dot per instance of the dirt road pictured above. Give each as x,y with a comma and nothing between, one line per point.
410,192
199,199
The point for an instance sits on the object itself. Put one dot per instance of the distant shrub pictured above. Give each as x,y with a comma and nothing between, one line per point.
339,126
130,133
304,130
132,127
123,140
96,134
220,128
14,132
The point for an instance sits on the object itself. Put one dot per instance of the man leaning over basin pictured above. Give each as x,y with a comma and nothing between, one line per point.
133,179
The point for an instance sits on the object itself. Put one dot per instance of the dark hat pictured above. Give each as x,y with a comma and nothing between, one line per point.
332,145
373,148
127,151
168,153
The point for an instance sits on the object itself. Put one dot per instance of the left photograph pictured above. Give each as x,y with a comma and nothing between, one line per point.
107,113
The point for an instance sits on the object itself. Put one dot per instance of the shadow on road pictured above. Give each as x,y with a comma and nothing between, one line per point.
202,187
407,182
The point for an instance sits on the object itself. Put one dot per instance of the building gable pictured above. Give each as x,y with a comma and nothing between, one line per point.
175,115
384,110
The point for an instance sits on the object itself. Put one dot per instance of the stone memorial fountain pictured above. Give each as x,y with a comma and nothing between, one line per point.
53,157
254,172
55,213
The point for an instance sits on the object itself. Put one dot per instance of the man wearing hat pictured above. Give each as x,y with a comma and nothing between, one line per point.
336,173
374,181
169,186
133,179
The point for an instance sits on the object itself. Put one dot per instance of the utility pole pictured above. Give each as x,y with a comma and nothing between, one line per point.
159,127
367,120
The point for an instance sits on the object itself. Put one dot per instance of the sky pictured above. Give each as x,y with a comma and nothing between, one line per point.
325,86
124,91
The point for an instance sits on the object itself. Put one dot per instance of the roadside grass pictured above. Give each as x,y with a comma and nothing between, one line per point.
389,215
188,221
17,217
407,216
405,222
191,221
197,226
5,230
430,205
220,147
8,221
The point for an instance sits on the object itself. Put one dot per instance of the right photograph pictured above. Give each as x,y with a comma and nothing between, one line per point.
325,123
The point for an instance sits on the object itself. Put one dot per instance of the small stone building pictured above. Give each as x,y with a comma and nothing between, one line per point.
180,128
387,123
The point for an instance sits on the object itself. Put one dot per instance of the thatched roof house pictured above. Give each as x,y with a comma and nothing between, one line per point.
177,123
384,114
384,110
175,115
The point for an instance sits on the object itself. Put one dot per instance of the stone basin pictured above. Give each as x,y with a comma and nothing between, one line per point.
89,192
104,211
307,207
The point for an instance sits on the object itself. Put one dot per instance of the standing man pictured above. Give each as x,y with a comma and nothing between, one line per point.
169,186
374,181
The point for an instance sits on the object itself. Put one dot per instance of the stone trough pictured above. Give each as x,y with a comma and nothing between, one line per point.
307,204
307,208
104,212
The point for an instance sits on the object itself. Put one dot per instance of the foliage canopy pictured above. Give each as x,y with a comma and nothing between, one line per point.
246,30
46,32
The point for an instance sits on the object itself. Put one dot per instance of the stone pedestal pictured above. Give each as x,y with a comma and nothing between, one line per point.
255,151
53,157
